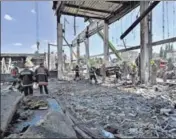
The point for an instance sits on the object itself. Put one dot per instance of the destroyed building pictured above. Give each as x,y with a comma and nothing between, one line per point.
132,101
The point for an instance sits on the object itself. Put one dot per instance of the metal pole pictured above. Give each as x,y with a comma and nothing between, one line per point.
48,56
139,19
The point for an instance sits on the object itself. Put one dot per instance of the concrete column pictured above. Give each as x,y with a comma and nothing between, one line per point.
106,51
78,52
59,50
71,54
106,38
87,53
144,26
150,41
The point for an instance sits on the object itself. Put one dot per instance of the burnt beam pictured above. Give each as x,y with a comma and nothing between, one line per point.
87,8
118,2
84,16
121,11
139,19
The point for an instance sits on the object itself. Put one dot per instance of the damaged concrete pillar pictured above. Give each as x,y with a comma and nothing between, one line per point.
106,50
106,38
87,52
71,53
78,52
150,41
144,34
59,50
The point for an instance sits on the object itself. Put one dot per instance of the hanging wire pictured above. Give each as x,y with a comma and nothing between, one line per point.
174,17
167,15
37,25
163,11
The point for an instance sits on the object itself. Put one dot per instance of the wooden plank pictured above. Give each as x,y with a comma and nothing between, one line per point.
81,133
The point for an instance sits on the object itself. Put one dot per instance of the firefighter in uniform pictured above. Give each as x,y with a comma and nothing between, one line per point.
133,73
92,74
41,74
118,73
154,72
165,74
76,72
103,71
26,76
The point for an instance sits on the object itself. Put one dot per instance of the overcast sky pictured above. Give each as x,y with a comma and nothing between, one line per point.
18,27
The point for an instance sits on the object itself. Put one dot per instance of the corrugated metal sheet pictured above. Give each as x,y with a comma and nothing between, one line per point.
99,9
101,5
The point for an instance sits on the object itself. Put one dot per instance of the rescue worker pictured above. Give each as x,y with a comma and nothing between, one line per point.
26,77
41,74
76,72
14,74
125,70
118,73
92,74
103,71
165,74
133,73
138,63
153,72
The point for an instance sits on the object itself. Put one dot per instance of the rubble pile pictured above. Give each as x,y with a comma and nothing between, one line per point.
29,110
139,113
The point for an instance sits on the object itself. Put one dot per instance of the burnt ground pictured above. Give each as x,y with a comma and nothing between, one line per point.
135,112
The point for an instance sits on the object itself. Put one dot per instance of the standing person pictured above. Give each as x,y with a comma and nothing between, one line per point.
138,63
133,73
76,72
154,72
118,73
14,74
103,72
165,74
42,74
26,77
92,74
125,70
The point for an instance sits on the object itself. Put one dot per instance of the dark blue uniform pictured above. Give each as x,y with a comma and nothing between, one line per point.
26,77
92,74
76,72
42,78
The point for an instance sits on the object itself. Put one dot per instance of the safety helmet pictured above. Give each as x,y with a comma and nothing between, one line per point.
133,65
26,65
152,62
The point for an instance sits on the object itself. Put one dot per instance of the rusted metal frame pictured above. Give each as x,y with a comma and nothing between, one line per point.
58,11
54,5
87,8
170,40
92,31
79,15
137,21
120,12
119,2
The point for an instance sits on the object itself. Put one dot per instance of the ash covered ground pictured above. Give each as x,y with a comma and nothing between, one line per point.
134,112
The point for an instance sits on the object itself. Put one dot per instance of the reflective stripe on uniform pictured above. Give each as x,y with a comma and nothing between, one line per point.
41,73
25,73
26,85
